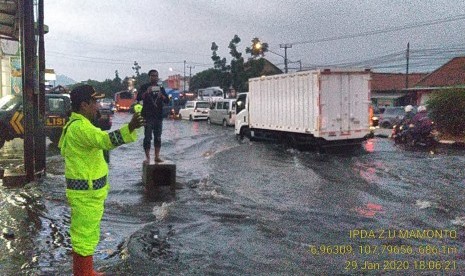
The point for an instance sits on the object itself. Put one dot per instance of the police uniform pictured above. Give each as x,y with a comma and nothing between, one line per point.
86,174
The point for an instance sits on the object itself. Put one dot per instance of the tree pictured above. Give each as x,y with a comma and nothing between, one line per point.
217,61
447,110
117,78
207,78
136,68
236,74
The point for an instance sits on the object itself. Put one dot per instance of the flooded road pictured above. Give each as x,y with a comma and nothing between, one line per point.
245,208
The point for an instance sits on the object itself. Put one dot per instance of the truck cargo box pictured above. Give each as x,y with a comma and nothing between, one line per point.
332,104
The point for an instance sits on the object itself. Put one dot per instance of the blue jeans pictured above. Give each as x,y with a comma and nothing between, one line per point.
155,128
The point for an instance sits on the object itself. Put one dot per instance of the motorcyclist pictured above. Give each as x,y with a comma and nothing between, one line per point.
421,124
408,115
404,123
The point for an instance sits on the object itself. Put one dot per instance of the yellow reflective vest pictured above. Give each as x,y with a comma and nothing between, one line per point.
82,145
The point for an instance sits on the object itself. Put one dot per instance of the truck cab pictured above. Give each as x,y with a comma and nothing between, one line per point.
242,114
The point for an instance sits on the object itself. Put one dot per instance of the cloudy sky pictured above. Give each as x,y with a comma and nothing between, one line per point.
93,39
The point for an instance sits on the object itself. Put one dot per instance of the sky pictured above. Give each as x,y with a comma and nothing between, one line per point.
93,39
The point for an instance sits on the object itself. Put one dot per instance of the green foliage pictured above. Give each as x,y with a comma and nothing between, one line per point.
108,87
217,61
140,80
237,73
447,110
207,78
136,68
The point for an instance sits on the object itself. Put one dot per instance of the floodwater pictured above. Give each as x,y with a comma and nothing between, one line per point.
252,208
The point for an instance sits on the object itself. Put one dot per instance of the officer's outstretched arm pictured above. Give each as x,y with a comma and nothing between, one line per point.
97,138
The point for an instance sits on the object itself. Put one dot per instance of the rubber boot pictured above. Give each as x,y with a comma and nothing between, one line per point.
84,266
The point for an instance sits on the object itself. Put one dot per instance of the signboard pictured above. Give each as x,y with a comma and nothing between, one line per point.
9,47
15,122
16,81
55,121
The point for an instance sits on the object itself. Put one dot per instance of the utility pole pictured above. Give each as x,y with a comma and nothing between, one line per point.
285,46
184,79
406,73
190,71
190,74
39,120
300,64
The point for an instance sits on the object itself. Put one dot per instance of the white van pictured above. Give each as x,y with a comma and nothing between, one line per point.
195,110
223,112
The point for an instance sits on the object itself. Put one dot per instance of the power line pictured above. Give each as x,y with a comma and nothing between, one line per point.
151,50
110,61
386,30
419,58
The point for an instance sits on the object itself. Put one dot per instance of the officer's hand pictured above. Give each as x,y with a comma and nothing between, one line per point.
136,122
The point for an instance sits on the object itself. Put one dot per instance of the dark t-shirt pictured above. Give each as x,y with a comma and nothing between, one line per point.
152,108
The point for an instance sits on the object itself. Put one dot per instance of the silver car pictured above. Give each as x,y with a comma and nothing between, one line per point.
391,116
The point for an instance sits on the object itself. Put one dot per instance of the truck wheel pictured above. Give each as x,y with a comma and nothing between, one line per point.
225,124
247,133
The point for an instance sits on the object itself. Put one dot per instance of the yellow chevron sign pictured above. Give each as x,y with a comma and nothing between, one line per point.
15,122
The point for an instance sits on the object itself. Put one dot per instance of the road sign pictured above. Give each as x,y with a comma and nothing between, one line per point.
15,122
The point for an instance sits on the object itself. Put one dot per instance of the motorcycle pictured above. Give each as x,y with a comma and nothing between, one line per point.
422,134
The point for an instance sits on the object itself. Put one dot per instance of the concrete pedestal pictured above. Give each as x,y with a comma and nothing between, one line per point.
13,179
158,175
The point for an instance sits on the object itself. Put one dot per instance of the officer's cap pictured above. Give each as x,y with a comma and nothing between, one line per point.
84,93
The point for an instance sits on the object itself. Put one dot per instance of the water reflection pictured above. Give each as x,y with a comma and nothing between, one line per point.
240,208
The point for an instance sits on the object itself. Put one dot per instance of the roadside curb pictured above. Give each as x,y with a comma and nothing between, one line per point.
452,143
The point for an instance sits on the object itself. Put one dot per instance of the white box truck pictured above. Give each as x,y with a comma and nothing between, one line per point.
321,107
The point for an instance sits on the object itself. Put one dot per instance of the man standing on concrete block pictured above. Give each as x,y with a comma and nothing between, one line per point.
153,97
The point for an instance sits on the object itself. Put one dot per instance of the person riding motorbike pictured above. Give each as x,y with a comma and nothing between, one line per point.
400,128
408,115
420,123
418,130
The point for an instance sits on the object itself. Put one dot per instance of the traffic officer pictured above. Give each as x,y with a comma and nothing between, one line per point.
86,172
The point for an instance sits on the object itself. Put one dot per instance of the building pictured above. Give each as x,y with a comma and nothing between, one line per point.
449,76
266,67
388,89
177,82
